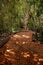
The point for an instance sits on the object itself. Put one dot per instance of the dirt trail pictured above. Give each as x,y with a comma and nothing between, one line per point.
20,50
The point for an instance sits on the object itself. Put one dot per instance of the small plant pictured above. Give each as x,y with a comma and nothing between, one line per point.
31,24
38,36
18,25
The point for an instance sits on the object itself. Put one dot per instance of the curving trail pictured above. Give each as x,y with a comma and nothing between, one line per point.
20,50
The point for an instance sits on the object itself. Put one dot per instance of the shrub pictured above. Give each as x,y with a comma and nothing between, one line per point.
18,25
31,24
38,36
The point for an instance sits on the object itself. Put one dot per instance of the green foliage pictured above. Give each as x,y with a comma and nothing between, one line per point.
39,26
18,25
31,24
12,11
38,36
0,27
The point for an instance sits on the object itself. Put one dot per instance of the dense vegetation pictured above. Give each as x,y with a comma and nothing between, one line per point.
18,14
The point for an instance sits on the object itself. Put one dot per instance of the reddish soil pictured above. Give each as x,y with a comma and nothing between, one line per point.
20,50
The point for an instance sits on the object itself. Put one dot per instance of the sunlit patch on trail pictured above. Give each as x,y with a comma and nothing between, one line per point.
25,36
23,42
40,59
17,42
17,36
35,55
25,54
10,59
6,55
10,51
36,58
10,54
38,63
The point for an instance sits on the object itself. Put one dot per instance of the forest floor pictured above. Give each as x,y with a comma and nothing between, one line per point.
20,50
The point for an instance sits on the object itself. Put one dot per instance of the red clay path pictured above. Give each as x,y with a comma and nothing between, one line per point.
20,50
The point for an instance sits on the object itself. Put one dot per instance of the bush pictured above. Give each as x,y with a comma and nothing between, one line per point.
18,25
38,36
31,24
